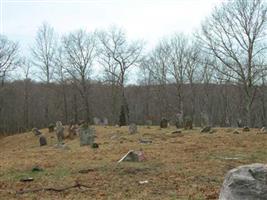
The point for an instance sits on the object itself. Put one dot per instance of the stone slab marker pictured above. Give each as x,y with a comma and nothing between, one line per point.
247,182
87,136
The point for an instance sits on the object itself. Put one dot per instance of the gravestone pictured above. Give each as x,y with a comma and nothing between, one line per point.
36,131
87,136
132,128
188,125
163,123
239,123
96,121
42,140
105,121
247,182
51,128
204,119
179,120
149,122
59,132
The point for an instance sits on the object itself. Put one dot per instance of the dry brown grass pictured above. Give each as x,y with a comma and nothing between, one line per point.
187,166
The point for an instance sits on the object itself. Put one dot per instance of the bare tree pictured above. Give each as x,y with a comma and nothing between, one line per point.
157,65
8,57
61,79
235,35
117,57
43,53
80,52
27,72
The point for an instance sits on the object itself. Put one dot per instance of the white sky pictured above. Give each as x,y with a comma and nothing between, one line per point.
149,20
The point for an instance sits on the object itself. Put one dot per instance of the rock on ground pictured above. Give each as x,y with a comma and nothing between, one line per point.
248,182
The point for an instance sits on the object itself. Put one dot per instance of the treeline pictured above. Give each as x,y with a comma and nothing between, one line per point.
216,76
217,105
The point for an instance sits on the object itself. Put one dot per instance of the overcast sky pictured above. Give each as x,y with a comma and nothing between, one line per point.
149,20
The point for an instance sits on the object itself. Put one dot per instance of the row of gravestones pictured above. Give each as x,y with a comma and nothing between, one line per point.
85,133
188,124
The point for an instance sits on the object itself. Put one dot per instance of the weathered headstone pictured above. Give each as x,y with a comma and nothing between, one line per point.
87,135
247,182
59,132
42,140
36,131
163,123
132,128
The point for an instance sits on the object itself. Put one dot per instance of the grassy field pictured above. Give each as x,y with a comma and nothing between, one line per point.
189,165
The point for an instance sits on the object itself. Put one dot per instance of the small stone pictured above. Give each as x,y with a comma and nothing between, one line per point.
246,129
36,131
95,146
145,141
177,132
236,132
206,129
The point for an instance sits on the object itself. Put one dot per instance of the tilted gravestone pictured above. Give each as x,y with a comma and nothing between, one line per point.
132,128
59,132
42,140
247,182
87,136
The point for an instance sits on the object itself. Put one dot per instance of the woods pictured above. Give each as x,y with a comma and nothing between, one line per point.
216,76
